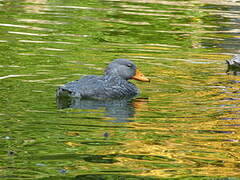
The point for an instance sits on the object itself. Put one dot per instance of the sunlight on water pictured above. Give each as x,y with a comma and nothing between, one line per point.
184,123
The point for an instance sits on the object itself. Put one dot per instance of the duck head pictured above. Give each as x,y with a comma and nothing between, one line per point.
125,69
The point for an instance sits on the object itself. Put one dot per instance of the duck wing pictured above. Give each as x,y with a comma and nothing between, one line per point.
87,87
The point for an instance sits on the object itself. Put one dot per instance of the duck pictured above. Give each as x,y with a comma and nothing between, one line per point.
113,84
234,62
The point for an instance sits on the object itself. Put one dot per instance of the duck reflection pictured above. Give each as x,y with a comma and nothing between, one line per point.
232,70
120,109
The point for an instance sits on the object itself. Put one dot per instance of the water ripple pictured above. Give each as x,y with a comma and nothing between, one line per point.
41,21
25,33
26,27
45,42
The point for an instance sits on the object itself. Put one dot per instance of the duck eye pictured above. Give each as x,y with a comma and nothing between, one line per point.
129,65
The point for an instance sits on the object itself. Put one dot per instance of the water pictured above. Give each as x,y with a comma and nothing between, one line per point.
184,124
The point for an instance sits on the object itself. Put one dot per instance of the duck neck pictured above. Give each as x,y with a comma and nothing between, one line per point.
113,76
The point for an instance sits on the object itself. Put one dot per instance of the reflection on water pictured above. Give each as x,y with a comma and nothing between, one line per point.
188,126
233,70
120,109
37,7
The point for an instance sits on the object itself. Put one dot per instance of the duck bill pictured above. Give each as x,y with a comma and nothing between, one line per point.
140,77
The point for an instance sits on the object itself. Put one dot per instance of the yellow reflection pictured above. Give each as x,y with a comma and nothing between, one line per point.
37,7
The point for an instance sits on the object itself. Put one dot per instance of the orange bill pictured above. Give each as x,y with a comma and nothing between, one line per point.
140,77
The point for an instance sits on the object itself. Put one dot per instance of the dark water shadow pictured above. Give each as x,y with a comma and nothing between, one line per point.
109,158
119,176
109,176
120,109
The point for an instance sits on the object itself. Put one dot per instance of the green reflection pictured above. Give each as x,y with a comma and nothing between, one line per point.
184,124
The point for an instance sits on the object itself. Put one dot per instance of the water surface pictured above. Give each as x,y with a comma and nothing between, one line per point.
184,124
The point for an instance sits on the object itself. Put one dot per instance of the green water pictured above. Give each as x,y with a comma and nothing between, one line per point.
183,125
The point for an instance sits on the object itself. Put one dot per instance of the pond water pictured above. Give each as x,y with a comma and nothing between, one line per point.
185,123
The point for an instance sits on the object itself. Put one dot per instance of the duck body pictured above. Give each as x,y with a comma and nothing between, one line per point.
113,84
98,87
